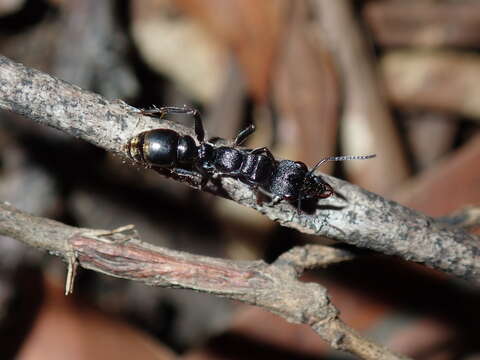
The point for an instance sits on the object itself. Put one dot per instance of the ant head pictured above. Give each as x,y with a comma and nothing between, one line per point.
315,187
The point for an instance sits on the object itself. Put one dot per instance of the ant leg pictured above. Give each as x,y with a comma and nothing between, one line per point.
274,199
199,129
165,110
205,176
155,112
214,140
198,122
244,134
265,192
261,195
218,175
263,150
241,137
184,174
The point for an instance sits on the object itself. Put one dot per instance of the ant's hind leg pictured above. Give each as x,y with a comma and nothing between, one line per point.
187,110
165,110
198,122
154,112
199,129
206,177
244,134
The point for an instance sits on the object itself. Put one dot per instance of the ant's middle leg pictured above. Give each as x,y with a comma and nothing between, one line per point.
240,138
244,134
274,199
215,139
187,110
263,150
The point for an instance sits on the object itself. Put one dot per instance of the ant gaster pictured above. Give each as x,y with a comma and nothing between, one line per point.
280,180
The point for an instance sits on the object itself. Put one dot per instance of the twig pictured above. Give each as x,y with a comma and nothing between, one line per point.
357,217
466,217
305,257
120,253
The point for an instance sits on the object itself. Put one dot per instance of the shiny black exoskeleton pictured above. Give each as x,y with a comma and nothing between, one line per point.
293,182
180,153
279,180
162,148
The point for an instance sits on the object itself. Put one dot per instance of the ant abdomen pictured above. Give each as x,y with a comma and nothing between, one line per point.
162,148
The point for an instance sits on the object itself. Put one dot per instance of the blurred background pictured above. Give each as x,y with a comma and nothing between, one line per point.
317,77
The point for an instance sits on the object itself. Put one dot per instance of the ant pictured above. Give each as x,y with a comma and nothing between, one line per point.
279,180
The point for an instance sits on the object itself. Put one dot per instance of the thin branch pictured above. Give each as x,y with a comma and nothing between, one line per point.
122,254
306,257
357,217
467,217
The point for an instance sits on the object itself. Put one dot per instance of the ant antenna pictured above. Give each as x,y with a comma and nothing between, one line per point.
341,158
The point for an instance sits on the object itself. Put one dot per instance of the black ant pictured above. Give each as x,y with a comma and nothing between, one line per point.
280,180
